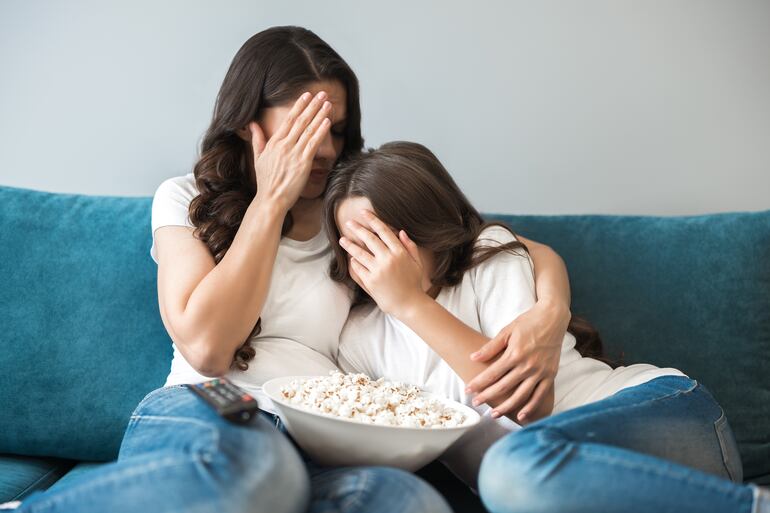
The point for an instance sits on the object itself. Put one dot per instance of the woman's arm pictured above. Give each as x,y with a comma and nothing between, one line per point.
210,309
525,354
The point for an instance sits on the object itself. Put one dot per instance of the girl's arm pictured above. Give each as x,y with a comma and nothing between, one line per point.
392,275
533,340
454,341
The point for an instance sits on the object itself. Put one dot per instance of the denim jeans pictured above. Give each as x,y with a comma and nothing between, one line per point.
663,446
179,455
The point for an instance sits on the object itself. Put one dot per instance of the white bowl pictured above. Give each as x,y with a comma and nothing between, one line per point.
337,441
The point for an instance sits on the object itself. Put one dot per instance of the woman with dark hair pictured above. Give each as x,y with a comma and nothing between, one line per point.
244,292
433,281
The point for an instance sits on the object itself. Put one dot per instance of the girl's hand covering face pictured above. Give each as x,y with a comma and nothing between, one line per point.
387,266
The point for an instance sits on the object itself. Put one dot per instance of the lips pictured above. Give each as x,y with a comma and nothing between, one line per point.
318,173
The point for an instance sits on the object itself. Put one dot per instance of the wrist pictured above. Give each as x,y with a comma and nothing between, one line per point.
410,310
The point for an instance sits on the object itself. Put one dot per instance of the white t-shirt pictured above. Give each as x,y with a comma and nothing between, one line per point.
489,297
302,316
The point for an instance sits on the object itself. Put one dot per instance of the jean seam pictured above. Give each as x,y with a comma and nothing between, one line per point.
718,428
672,395
726,488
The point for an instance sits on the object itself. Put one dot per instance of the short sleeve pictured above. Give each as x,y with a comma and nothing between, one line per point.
170,205
504,284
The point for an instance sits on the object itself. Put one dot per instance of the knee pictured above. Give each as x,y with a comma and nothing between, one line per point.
516,474
264,468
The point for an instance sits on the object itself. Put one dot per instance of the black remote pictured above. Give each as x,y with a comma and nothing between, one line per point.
229,400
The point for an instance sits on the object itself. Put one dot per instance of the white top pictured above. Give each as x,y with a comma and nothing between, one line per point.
302,316
488,298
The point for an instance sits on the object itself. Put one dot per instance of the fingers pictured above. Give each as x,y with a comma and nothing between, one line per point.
361,272
373,243
316,139
509,381
258,140
513,403
541,390
358,253
305,118
323,113
410,246
296,110
491,348
383,231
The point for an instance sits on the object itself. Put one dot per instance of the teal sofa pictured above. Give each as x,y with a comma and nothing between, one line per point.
82,341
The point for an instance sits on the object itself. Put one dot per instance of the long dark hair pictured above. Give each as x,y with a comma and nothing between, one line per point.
271,69
411,190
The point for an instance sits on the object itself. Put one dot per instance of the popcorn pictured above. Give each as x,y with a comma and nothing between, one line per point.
360,398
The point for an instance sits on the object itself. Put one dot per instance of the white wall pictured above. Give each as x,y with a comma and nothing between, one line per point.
543,107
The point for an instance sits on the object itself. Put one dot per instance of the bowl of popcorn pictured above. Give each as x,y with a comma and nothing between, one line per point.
351,419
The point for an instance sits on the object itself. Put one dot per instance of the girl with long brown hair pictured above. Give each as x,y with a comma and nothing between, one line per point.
433,281
244,292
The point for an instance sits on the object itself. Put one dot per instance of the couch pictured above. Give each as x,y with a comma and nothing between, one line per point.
82,340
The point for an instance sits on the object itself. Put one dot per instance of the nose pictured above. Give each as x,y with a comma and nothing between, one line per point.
326,149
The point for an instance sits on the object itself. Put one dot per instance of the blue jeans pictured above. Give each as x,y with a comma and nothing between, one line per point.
178,455
663,446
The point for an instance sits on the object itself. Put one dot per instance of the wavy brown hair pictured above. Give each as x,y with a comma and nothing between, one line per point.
272,68
411,190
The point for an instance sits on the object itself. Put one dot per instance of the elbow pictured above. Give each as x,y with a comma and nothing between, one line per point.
207,359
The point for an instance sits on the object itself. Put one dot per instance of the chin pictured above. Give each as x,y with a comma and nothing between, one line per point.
313,191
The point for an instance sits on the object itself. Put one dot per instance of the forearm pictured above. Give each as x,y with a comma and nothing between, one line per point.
450,338
224,307
551,279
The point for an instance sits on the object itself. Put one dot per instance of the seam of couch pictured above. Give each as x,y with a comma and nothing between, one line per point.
31,487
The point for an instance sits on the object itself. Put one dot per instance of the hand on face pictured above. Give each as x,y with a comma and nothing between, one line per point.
295,147
386,265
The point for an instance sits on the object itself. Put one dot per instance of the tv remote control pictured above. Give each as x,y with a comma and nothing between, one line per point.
229,400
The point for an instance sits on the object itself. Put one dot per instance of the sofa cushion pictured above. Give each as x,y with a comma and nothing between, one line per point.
82,337
689,292
22,475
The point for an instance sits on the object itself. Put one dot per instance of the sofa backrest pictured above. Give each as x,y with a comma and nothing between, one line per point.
686,292
82,340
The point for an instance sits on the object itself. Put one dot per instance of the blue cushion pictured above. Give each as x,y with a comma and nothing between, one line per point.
689,292
82,338
83,341
22,475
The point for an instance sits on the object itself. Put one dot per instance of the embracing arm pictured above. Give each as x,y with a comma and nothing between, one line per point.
551,279
525,354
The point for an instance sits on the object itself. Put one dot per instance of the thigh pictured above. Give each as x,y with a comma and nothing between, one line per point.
670,417
254,457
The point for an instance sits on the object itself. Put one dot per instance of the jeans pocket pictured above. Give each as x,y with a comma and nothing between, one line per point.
730,455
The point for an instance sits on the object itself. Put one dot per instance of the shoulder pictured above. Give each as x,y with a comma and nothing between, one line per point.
171,202
497,236
502,266
177,188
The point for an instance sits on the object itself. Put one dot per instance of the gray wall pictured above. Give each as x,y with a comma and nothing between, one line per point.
614,106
